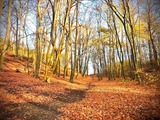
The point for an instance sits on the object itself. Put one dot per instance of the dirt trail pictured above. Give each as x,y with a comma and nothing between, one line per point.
114,100
93,84
24,97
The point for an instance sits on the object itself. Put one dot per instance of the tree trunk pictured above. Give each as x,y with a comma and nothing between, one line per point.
37,62
66,50
17,47
7,36
121,58
150,52
153,46
1,6
75,49
66,59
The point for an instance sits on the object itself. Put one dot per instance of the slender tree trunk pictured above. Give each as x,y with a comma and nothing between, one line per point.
66,59
66,50
104,55
1,6
59,68
80,60
150,52
7,36
121,58
129,62
75,49
72,74
17,48
153,46
1,61
37,62
85,66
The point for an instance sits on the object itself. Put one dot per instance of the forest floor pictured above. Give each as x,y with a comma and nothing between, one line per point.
23,97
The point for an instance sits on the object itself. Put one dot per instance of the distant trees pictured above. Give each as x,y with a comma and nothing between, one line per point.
19,17
151,20
116,38
39,35
128,20
52,64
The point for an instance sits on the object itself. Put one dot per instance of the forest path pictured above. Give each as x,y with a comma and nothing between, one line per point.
114,100
24,97
91,83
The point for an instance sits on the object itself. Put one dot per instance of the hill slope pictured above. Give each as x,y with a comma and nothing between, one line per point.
23,97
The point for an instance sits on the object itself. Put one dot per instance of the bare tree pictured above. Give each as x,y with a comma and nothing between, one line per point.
6,42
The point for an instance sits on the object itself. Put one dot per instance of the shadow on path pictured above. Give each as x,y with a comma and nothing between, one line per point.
71,95
30,109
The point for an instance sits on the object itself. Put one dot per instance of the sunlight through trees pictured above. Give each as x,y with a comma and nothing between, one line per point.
112,38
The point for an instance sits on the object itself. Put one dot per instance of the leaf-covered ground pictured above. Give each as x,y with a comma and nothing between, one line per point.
23,97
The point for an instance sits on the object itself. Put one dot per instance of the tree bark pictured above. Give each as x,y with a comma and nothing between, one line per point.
1,8
75,48
5,47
